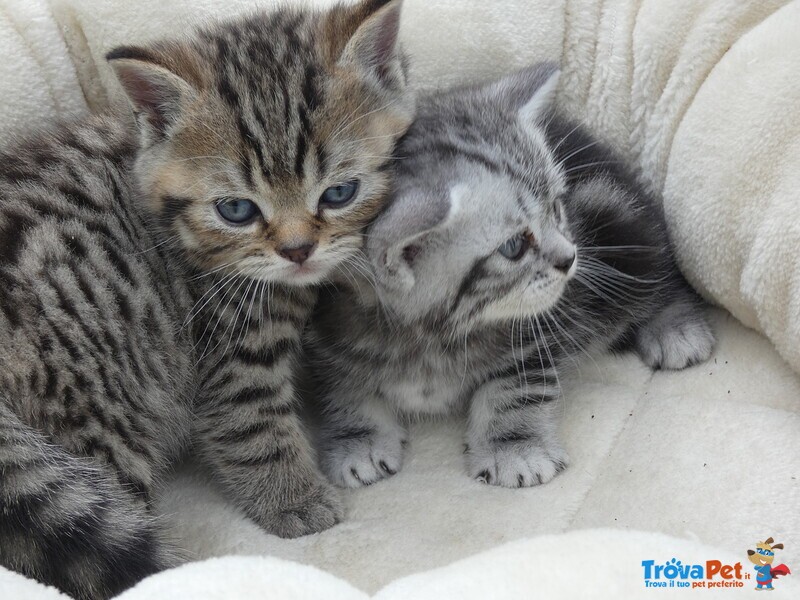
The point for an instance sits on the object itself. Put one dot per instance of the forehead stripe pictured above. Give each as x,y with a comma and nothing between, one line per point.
302,142
229,94
309,104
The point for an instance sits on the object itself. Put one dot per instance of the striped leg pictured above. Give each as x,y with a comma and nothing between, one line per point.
249,430
512,438
67,521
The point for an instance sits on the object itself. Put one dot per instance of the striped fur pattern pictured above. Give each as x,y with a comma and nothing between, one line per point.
514,243
96,376
136,320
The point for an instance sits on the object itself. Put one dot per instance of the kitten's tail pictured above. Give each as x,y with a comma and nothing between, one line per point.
67,522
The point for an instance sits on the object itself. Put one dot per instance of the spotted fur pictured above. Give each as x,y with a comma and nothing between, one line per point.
134,320
446,323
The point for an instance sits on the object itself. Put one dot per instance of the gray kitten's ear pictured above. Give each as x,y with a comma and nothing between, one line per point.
157,94
530,92
395,238
372,50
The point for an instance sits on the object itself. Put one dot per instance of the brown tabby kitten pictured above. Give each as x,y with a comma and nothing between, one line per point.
154,282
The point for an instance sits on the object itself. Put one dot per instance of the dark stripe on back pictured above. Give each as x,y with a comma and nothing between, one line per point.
12,236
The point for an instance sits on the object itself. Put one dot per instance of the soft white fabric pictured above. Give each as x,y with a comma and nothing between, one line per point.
702,96
733,182
586,565
39,81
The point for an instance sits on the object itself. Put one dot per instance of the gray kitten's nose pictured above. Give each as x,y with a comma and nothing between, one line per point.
299,254
565,264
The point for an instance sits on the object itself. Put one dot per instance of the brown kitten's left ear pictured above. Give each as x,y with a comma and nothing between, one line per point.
373,49
156,92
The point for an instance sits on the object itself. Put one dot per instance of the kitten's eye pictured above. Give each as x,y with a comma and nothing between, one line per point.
514,248
340,195
237,211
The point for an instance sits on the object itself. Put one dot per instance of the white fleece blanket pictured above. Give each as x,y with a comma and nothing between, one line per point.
701,95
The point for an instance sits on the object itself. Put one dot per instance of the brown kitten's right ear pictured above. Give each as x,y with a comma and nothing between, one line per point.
371,48
156,92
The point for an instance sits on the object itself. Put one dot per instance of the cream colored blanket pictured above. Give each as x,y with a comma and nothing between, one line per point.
703,96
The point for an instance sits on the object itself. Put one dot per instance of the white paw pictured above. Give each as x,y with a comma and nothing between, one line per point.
363,459
516,464
676,345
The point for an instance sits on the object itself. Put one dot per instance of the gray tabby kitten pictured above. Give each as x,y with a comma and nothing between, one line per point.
155,280
515,240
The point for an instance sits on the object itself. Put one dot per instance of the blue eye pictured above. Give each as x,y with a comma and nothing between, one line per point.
514,248
237,211
338,196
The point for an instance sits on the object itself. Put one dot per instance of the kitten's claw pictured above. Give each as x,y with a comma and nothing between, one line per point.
359,461
678,337
319,508
516,464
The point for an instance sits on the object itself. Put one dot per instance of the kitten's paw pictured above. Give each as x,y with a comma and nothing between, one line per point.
676,339
516,464
363,459
316,509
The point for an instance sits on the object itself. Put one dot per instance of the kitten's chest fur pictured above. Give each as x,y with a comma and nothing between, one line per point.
432,378
417,369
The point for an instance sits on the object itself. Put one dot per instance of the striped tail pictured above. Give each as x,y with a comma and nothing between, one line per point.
67,522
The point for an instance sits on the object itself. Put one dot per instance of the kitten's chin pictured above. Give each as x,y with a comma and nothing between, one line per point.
292,274
304,275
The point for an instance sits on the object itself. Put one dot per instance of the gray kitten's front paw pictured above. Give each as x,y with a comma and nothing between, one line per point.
516,464
316,509
363,459
677,338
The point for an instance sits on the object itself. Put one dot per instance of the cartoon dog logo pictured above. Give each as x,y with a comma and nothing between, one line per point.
762,557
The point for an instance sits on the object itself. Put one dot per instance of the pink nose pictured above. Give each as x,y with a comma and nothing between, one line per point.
298,254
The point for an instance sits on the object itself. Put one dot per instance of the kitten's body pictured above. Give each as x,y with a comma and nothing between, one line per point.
97,375
450,325
138,311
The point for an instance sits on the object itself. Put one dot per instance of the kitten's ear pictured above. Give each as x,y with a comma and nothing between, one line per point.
156,92
372,49
396,237
530,92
